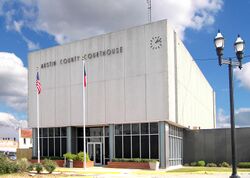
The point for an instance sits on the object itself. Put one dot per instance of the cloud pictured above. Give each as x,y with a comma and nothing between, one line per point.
74,20
222,119
243,75
8,120
242,116
9,125
31,45
13,77
16,20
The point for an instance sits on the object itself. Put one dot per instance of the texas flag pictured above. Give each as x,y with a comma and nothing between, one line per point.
85,76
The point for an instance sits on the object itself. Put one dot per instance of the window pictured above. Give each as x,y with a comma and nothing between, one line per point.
53,141
144,128
127,146
135,147
118,130
153,128
135,129
153,149
126,129
24,141
118,146
106,131
57,132
137,141
145,146
175,145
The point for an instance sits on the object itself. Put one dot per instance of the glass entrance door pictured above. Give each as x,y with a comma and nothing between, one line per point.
95,152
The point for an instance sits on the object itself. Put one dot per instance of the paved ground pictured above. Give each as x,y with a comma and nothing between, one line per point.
100,172
172,176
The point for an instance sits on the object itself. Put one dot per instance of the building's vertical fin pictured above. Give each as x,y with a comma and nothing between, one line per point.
176,79
111,141
163,144
69,139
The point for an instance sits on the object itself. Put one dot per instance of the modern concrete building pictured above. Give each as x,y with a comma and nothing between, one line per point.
143,89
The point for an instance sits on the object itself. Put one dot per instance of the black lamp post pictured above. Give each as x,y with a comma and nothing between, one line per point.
239,48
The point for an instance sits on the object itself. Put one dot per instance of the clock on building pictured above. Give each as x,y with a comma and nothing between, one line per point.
156,42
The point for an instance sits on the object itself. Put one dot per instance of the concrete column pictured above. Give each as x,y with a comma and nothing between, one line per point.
111,141
164,144
167,144
69,139
34,142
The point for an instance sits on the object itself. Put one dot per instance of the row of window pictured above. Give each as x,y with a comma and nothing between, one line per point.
131,141
175,145
135,129
53,141
53,132
53,146
137,141
93,131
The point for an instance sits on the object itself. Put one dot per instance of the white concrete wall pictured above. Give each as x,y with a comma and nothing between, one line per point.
28,143
195,96
137,85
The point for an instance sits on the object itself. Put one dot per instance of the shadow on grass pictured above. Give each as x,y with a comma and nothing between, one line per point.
206,169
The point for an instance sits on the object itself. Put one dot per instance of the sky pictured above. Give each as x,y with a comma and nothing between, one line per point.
28,25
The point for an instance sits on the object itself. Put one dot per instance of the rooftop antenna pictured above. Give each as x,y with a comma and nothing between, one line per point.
149,10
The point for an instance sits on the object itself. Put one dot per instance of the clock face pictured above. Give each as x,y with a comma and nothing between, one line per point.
156,42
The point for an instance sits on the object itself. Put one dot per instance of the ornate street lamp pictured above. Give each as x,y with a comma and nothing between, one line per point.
239,48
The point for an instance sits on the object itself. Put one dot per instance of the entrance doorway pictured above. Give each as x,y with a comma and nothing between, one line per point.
94,150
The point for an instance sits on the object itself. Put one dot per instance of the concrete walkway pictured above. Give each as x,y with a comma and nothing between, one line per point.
102,172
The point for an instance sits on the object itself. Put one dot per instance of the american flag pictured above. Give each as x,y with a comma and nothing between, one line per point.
85,77
38,84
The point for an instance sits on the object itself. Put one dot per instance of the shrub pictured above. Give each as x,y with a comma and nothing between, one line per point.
193,164
211,165
201,163
153,161
244,165
52,158
7,166
49,165
38,167
30,167
186,164
80,156
224,164
70,156
23,164
137,160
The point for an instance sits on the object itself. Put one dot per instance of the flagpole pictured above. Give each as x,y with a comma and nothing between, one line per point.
38,136
84,115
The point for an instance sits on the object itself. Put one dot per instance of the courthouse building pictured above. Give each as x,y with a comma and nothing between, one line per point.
143,89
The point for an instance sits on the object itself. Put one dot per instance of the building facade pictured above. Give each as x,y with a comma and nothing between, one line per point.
25,138
143,89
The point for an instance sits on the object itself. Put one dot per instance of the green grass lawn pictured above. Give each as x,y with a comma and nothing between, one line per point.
206,169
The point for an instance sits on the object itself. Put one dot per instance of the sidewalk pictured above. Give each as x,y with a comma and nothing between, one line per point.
102,172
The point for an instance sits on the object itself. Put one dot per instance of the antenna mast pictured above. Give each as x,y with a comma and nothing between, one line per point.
149,10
